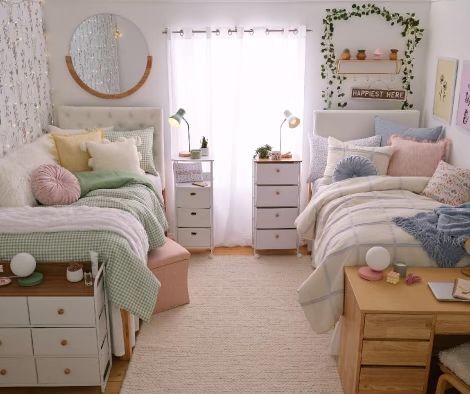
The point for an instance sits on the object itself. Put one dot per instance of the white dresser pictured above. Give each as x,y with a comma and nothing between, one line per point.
194,208
56,333
276,201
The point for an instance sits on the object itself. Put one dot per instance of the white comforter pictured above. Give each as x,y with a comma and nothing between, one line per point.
347,218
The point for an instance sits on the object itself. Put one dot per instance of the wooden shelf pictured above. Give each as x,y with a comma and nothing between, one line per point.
368,66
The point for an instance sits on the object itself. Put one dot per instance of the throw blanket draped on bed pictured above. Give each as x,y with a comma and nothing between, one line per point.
442,232
130,284
347,218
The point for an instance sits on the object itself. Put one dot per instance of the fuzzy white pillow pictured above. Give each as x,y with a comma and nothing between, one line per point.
121,155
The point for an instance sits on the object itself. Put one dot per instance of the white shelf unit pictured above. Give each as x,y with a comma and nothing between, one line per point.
368,66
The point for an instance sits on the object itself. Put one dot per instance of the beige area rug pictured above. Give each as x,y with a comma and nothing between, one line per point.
243,332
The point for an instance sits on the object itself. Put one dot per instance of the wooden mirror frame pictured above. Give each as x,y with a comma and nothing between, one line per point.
84,86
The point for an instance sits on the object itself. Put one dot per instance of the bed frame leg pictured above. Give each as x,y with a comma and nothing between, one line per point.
126,331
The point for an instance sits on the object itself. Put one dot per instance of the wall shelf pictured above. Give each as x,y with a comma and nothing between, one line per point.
368,66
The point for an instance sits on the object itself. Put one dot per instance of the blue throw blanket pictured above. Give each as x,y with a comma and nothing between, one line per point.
442,232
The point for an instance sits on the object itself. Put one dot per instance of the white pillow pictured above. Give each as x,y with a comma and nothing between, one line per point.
121,155
338,150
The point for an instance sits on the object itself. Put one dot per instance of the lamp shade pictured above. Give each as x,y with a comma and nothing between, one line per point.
175,120
292,121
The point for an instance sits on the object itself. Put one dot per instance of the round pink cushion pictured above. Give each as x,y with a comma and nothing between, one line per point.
54,185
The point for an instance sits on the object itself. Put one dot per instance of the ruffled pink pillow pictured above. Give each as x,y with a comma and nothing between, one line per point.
54,185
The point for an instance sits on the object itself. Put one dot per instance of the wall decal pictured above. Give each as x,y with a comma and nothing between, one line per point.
379,94
444,89
25,103
463,112
412,33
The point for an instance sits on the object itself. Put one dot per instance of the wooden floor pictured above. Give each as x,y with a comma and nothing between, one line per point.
118,372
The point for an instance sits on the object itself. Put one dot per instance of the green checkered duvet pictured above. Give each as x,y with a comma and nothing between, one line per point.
130,284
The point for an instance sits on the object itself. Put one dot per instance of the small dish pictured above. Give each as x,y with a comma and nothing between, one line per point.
5,281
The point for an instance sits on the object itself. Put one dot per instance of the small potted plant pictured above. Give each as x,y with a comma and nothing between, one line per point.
204,147
74,272
263,152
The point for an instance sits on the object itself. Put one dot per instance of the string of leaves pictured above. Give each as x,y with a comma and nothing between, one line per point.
411,31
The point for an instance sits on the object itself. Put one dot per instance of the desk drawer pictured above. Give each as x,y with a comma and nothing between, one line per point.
14,311
383,326
276,217
194,237
277,174
193,197
62,310
68,371
373,380
17,371
64,341
15,342
193,217
276,239
457,324
277,196
409,353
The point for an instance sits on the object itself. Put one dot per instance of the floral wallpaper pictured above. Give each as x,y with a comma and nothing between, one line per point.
25,102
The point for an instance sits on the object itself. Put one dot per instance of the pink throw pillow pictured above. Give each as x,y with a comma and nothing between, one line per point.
413,158
54,185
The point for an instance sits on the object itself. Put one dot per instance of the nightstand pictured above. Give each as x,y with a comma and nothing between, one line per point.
194,208
276,202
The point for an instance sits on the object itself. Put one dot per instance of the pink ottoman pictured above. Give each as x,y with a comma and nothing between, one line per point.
170,265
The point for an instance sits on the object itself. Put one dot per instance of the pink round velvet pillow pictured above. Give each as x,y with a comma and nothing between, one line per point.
54,185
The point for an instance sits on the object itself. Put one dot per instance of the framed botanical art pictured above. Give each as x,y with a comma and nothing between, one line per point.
463,111
444,89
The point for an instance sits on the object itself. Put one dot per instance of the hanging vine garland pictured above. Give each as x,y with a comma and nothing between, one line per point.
411,32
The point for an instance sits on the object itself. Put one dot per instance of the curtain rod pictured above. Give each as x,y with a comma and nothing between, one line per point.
231,31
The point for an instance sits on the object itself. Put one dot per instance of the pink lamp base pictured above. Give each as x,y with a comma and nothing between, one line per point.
368,273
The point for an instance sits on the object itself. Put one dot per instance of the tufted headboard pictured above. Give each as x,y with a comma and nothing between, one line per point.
355,124
122,118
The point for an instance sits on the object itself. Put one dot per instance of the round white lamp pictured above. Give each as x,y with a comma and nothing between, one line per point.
377,259
23,265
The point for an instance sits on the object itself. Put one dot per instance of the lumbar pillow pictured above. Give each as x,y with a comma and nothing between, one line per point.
58,130
319,153
145,148
54,185
352,167
337,151
413,158
386,128
449,185
121,155
68,152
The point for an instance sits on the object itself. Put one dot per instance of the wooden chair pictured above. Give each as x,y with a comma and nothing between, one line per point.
450,380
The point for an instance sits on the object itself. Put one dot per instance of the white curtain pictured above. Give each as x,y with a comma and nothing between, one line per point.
234,88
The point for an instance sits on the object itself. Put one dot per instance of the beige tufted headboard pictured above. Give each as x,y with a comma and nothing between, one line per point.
122,118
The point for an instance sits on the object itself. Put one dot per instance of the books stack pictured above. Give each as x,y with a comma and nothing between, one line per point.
459,290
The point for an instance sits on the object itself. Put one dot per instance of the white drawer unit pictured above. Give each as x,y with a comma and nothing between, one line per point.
194,204
56,333
276,201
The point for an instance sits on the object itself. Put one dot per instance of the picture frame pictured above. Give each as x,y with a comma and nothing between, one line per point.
444,89
463,111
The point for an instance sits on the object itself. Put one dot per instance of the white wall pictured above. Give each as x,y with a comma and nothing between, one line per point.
153,16
449,37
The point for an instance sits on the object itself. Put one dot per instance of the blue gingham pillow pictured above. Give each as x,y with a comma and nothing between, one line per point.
319,153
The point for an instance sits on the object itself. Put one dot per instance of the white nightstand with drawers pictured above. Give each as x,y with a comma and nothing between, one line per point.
276,201
194,208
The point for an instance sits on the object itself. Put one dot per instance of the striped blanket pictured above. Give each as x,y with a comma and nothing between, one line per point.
347,218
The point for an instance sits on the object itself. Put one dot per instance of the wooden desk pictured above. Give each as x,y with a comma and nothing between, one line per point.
388,331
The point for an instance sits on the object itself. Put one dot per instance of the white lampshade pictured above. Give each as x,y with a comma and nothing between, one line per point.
292,121
175,120
378,258
23,264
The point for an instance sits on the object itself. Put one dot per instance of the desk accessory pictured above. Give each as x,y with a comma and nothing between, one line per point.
188,172
195,154
442,291
401,269
88,279
393,277
94,263
4,281
23,264
411,279
276,155
293,122
175,121
377,260
200,184
74,272
461,289
32,280
204,146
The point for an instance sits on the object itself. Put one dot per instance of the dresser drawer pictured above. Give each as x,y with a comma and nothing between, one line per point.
193,197
276,239
64,341
373,380
68,371
277,174
14,311
448,324
276,217
15,342
194,237
197,217
62,310
277,196
383,326
409,353
17,371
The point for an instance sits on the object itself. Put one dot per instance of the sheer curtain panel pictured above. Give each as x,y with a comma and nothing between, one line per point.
234,88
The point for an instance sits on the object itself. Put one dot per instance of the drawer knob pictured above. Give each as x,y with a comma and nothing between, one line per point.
277,236
67,371
277,193
63,342
3,372
193,233
60,311
278,170
1,343
192,194
276,215
193,213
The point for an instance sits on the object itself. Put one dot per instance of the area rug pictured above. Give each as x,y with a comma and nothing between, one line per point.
243,332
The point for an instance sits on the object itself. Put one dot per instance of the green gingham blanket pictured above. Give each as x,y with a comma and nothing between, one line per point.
130,284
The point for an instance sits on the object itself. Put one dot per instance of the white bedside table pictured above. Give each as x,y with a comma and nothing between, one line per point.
194,208
276,202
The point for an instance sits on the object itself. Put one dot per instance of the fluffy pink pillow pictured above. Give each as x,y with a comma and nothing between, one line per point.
54,185
413,158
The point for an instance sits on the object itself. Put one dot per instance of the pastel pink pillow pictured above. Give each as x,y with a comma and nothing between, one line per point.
54,185
413,158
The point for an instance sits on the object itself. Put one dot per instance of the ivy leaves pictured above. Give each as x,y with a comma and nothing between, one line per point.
410,30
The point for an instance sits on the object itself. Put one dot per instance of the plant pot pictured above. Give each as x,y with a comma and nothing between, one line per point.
346,55
361,54
204,151
393,54
75,276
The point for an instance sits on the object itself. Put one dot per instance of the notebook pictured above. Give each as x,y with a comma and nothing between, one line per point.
443,291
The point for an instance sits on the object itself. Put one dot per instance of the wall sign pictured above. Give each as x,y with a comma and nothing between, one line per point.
463,113
379,94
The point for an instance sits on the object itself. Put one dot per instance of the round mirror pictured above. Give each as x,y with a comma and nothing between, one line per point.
109,57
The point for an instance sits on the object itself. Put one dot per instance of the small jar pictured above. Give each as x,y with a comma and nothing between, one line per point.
276,155
361,54
74,272
195,153
346,54
393,54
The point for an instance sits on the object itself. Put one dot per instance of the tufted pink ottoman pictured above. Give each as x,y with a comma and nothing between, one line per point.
170,265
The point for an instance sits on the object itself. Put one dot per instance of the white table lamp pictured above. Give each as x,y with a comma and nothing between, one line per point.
293,122
175,121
